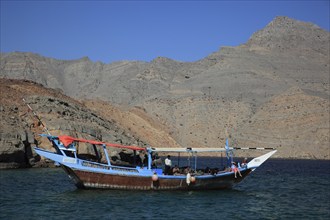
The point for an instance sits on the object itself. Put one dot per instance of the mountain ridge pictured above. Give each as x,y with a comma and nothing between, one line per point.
201,103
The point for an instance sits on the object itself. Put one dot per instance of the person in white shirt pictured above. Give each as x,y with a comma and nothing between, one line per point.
168,165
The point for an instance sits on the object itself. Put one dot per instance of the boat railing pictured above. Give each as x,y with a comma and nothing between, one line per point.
94,165
124,169
108,167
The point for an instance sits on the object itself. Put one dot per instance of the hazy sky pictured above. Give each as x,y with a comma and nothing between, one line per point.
110,31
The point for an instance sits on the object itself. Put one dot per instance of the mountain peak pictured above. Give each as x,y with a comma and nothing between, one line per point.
163,60
285,22
285,34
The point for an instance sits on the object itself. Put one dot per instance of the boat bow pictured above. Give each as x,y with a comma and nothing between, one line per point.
256,162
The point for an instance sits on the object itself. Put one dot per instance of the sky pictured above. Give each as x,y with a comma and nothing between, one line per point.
110,31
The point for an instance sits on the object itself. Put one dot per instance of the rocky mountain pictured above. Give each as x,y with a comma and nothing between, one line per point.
271,91
60,114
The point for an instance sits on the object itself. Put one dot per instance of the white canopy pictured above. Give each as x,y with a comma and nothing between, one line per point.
189,150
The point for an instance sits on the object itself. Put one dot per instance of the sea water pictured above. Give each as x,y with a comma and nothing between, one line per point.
279,189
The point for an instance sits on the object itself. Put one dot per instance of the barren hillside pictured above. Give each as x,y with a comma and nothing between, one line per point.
62,115
272,91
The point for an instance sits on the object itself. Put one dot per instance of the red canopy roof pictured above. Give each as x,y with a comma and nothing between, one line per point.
67,140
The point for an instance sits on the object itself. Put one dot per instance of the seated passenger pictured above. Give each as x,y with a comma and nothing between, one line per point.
187,170
235,169
176,170
207,170
244,163
156,161
214,171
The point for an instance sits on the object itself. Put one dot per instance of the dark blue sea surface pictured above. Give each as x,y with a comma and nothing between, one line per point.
279,189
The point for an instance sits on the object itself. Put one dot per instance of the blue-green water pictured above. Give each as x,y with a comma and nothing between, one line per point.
280,189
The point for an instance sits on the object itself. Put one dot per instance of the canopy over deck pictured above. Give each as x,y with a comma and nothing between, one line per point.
190,150
67,140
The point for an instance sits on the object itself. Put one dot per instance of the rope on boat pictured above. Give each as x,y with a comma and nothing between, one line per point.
38,118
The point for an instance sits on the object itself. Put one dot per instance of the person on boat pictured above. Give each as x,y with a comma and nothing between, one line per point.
187,170
244,163
156,161
168,165
176,170
235,169
214,171
143,159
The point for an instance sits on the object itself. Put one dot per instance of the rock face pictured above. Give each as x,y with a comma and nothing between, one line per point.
60,114
271,91
294,122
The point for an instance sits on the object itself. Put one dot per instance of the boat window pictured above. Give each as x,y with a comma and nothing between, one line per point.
68,153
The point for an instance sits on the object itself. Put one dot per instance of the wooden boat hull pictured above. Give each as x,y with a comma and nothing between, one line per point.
95,180
88,174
